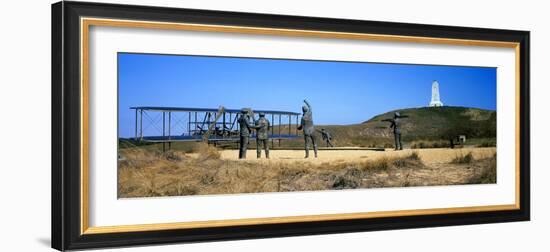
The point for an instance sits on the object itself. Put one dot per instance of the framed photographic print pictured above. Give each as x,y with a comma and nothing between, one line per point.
179,125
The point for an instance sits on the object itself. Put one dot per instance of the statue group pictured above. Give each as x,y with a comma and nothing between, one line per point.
262,127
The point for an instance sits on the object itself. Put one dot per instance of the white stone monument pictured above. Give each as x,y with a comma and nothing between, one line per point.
436,102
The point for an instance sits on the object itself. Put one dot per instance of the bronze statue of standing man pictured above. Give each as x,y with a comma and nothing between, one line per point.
262,135
307,125
244,133
396,126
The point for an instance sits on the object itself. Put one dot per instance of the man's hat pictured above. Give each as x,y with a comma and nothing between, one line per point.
244,110
262,114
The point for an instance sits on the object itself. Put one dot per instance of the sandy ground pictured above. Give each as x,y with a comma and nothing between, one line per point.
429,156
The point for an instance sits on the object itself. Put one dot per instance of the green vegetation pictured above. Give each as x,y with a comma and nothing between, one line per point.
483,142
435,123
427,127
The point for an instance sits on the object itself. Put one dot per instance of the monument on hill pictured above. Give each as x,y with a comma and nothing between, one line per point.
436,101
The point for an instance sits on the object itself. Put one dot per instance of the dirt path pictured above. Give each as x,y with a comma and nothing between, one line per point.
428,156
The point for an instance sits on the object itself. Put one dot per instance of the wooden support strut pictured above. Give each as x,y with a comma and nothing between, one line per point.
272,129
163,130
279,130
141,125
169,130
136,128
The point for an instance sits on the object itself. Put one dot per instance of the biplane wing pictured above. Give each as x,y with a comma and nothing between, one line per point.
180,124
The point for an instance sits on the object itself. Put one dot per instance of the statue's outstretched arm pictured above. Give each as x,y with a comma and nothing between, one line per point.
390,121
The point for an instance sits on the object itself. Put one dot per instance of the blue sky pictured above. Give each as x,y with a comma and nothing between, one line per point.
340,92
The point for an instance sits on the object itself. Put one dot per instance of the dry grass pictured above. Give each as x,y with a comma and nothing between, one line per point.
463,159
424,144
147,173
487,173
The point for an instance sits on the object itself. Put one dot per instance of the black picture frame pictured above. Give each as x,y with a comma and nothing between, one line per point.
66,114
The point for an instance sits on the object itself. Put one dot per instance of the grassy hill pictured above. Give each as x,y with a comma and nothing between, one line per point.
427,123
432,122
